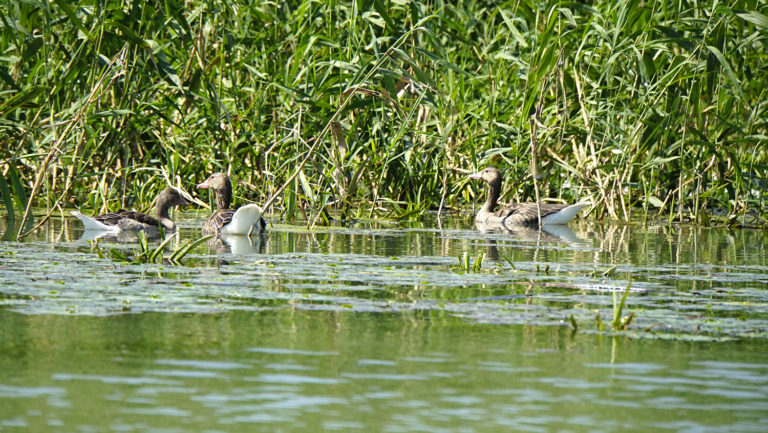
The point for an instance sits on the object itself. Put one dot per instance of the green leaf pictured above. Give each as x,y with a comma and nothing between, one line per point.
7,78
19,193
384,12
22,99
130,34
7,199
158,251
753,17
677,38
728,71
64,5
657,161
174,9
516,35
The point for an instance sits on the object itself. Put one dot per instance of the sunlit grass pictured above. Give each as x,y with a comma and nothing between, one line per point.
382,111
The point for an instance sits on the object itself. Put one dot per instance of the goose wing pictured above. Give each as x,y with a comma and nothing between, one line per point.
217,220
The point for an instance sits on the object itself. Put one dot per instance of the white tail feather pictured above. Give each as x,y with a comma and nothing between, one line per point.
247,219
91,224
565,215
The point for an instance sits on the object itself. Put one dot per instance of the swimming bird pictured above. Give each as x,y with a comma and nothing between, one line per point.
519,214
242,221
124,220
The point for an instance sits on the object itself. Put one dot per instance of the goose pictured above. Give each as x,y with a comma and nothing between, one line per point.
519,214
224,220
124,220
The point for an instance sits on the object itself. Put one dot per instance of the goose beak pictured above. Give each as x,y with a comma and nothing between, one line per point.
474,176
203,185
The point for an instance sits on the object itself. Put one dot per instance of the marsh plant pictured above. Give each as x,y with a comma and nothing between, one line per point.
618,323
466,265
145,252
386,106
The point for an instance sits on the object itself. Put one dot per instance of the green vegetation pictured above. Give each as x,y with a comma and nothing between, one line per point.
465,266
146,253
618,323
374,105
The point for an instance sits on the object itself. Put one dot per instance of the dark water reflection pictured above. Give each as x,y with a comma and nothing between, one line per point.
376,327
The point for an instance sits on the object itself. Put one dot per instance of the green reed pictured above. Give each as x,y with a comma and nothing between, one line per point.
659,106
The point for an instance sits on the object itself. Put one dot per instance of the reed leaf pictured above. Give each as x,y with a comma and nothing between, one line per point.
7,199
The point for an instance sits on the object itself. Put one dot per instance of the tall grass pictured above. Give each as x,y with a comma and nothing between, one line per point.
385,106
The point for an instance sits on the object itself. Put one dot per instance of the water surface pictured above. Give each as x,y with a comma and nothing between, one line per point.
376,326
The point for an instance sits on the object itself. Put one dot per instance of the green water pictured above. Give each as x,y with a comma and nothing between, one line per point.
376,327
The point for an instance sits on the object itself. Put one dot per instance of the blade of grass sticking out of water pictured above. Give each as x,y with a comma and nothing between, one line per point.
418,210
117,255
511,263
179,254
466,265
289,200
143,244
618,323
464,262
95,248
159,250
478,263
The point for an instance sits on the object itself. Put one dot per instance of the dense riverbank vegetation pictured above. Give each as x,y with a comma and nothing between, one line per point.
384,107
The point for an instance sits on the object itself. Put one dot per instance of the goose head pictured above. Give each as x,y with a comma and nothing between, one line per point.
489,175
216,182
168,198
221,186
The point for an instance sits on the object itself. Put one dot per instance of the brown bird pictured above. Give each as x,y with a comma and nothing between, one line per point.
242,221
124,220
519,214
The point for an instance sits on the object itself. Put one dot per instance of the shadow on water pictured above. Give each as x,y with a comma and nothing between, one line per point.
378,326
